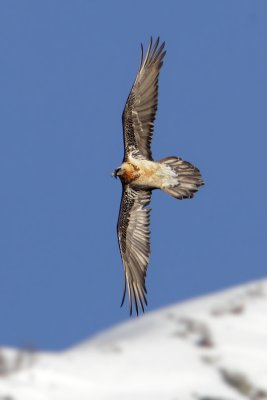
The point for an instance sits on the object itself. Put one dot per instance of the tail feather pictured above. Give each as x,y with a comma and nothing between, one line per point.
188,178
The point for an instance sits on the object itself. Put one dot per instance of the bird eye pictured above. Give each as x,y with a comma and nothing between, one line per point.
116,172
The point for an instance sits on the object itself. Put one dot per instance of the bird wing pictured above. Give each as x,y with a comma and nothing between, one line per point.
141,106
134,242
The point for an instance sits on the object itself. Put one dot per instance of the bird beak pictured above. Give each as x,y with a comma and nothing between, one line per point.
114,174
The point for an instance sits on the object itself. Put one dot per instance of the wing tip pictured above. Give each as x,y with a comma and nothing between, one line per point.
140,302
136,295
142,56
124,292
154,52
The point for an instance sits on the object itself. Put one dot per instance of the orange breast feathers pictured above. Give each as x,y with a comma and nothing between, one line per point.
130,174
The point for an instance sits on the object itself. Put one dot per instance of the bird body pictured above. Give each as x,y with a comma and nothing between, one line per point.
146,174
140,174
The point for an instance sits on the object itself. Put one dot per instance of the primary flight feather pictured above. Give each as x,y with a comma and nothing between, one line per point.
139,175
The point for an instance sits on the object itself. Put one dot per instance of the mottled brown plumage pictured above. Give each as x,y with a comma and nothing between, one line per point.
139,175
141,106
134,243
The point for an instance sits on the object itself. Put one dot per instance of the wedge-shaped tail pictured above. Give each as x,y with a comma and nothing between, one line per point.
188,178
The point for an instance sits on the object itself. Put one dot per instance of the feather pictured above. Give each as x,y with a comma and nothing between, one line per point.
141,106
134,242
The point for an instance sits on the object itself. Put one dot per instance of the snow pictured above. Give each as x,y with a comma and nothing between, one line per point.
212,348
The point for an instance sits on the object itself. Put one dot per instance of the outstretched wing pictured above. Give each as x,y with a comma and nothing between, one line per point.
134,242
141,106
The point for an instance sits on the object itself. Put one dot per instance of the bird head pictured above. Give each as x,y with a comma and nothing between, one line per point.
118,171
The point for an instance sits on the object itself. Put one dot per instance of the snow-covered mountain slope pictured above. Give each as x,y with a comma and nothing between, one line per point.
212,348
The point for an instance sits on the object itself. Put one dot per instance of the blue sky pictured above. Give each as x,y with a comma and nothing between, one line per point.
66,71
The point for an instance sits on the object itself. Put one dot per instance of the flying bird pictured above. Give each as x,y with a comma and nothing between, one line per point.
140,174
